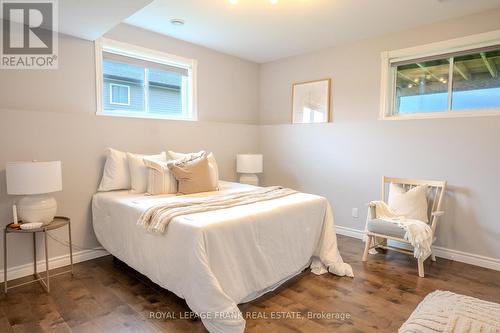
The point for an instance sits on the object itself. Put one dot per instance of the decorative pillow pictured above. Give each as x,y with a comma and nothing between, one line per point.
116,175
160,179
411,204
139,170
194,175
214,169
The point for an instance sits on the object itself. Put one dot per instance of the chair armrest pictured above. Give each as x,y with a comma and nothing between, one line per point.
438,213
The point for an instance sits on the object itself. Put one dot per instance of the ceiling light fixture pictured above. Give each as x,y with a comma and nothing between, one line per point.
233,2
273,2
177,21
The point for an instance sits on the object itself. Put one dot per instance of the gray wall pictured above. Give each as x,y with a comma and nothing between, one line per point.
346,159
41,117
50,115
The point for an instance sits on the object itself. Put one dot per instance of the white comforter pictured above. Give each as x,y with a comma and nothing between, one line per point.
218,259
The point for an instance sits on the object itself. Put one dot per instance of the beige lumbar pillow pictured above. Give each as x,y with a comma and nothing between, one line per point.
410,204
193,175
160,179
214,169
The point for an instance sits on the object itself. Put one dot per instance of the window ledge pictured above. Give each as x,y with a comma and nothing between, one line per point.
144,116
441,115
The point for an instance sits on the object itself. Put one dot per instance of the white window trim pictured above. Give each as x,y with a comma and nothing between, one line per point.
112,46
111,94
388,74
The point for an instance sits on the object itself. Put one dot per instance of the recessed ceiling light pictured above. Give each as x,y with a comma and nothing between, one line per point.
177,21
233,2
273,2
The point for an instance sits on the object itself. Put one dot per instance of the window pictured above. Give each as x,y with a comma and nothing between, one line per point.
137,82
119,94
458,79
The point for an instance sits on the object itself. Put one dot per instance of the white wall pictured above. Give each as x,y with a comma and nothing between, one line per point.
50,115
346,159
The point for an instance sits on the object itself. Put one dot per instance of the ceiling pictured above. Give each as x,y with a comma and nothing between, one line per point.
261,32
91,19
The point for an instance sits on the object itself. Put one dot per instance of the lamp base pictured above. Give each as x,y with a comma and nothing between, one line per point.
249,178
37,208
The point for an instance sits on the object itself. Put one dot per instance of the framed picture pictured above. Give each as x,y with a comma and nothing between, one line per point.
311,102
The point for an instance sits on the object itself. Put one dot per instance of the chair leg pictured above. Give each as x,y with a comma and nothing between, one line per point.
421,267
367,248
433,257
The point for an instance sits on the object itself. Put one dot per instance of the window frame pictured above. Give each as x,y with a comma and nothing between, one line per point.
444,48
133,51
111,94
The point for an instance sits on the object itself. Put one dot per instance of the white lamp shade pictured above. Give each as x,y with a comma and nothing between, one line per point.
249,163
24,178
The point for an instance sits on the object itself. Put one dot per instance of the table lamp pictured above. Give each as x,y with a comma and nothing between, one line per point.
248,165
34,180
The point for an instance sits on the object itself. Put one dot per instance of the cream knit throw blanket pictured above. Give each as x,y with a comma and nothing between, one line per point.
158,217
447,312
418,233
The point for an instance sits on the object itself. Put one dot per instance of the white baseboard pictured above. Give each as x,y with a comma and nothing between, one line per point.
54,262
465,257
468,258
351,232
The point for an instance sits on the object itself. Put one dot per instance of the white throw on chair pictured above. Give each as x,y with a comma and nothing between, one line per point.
378,230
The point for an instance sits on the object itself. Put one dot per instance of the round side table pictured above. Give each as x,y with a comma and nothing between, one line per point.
58,222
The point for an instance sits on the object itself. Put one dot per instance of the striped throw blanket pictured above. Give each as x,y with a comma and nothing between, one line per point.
157,218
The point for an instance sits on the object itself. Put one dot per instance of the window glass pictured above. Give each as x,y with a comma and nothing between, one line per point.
165,92
117,77
119,94
476,83
422,87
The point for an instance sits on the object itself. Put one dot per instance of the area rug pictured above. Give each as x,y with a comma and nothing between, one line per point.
444,311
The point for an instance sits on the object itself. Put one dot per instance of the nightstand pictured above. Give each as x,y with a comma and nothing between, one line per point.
58,222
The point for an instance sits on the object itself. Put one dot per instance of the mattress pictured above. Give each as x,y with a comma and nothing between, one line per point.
218,259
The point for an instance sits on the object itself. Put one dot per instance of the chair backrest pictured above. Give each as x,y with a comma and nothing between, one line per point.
435,194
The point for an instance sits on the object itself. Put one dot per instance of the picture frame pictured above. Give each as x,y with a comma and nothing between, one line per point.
311,102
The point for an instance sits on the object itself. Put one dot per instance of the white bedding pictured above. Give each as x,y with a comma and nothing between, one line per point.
218,259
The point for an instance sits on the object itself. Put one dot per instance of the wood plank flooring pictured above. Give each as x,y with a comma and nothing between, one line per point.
104,296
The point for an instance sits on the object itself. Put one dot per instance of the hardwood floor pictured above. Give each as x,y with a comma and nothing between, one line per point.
104,296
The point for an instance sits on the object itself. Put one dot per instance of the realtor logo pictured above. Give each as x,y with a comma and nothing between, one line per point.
29,34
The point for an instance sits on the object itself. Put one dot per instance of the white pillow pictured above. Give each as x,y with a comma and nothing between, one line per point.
214,169
116,175
139,170
411,204
160,179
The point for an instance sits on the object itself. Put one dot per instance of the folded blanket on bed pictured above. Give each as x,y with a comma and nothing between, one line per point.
158,217
418,233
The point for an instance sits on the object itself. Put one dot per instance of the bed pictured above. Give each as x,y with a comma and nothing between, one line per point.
218,259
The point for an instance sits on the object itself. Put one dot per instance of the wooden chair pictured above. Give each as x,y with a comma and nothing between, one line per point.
392,231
